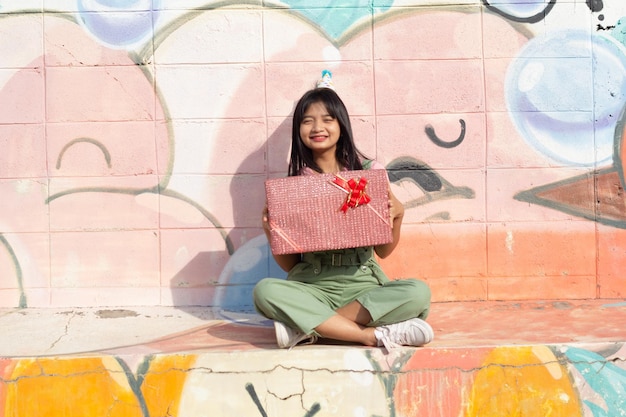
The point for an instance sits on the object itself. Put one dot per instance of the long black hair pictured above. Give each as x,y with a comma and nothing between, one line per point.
346,153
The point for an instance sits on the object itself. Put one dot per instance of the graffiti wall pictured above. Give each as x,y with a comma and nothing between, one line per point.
512,380
136,137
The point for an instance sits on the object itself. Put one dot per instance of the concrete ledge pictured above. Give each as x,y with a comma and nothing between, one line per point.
558,358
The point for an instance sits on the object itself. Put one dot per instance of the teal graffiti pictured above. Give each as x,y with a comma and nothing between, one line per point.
336,17
605,378
619,32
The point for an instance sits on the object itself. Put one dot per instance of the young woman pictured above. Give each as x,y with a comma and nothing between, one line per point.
353,301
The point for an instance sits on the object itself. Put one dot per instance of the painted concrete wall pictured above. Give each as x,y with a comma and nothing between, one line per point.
559,381
135,138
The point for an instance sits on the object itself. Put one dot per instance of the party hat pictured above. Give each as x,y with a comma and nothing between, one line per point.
326,81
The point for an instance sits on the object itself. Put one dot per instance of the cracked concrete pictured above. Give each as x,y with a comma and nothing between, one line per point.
558,355
45,332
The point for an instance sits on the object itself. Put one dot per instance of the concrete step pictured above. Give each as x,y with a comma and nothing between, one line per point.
539,358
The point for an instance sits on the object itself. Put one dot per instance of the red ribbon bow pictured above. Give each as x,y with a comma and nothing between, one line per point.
356,192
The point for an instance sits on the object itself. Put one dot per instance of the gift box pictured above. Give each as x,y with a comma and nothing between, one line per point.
324,212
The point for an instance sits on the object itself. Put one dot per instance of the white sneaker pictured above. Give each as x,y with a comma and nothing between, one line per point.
413,332
286,337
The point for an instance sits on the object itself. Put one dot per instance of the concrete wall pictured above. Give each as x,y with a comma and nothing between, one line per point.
505,381
134,143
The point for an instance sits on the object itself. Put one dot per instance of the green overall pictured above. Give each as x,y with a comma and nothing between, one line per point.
325,281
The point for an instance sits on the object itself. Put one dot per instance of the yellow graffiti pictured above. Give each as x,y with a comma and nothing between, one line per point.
52,387
57,387
163,385
523,381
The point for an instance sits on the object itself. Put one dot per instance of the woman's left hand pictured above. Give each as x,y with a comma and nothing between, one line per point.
396,209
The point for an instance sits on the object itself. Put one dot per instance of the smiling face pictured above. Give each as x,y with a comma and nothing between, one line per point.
319,131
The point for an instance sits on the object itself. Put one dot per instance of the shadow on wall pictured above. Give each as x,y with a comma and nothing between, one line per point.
252,261
231,293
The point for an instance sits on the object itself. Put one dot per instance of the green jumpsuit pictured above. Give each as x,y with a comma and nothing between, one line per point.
325,281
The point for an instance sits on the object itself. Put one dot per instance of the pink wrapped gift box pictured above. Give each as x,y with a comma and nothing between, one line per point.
323,212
